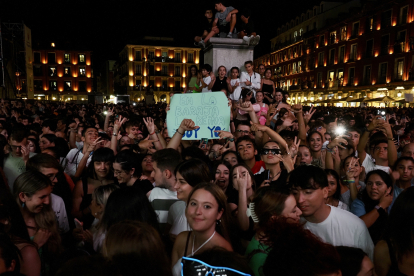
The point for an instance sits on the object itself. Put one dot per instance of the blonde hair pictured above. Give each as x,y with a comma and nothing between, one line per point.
29,183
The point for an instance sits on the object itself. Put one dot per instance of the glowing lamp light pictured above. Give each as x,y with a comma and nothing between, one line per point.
60,75
53,44
131,59
356,84
184,60
373,82
196,61
171,75
394,24
312,98
326,43
89,91
38,98
60,90
54,98
399,94
324,64
88,63
88,75
183,75
184,85
83,99
158,85
145,74
378,28
376,54
171,85
44,61
131,73
320,98
75,63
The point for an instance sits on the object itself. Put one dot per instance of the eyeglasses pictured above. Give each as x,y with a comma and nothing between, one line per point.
244,131
52,177
267,151
116,172
317,128
194,267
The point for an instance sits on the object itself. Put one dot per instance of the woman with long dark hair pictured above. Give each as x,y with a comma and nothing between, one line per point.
99,173
124,204
315,141
334,190
207,216
192,78
372,204
188,174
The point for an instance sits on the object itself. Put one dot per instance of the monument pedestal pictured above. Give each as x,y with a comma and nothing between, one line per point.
230,52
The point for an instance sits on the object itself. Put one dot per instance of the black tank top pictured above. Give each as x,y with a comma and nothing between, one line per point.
267,88
86,202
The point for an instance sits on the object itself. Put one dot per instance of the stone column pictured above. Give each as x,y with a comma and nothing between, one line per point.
230,52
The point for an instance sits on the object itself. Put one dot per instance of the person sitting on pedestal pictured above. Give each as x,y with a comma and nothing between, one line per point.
224,21
247,30
207,26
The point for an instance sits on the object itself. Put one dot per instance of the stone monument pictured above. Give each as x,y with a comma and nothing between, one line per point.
230,52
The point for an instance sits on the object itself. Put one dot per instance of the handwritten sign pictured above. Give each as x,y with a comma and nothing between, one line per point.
209,111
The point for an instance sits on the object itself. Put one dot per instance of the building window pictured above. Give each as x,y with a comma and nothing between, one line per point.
343,33
164,71
384,44
332,37
38,85
367,75
177,85
331,76
382,75
51,58
66,71
177,71
369,26
37,70
386,19
52,71
289,54
81,58
331,56
68,86
138,56
400,43
369,48
294,52
321,40
295,36
314,11
403,15
294,68
355,30
288,70
82,86
82,71
53,85
353,53
36,57
151,55
320,59
300,50
299,66
191,57
164,84
138,70
341,76
319,80
321,8
399,69
177,57
138,84
67,58
351,76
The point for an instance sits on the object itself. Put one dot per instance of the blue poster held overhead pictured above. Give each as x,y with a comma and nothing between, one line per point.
209,111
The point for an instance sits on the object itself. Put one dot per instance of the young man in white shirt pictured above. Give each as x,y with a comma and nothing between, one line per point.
333,225
164,195
250,79
74,157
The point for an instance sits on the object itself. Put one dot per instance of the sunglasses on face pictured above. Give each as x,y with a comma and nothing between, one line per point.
267,151
194,267
244,131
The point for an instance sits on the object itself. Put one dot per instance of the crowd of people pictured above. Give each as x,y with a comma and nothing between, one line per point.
289,190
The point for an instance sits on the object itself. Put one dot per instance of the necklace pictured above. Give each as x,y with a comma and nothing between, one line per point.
192,250
276,174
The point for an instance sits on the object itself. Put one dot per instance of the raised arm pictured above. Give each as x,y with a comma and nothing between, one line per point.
186,125
392,149
109,113
377,122
84,160
272,134
149,122
117,126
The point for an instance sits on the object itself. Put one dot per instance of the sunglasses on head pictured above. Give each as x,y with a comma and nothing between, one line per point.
194,267
267,151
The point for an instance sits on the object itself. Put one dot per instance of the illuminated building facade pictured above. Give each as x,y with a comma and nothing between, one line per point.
162,69
361,55
64,75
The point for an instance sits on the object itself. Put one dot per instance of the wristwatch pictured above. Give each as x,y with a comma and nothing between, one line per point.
380,210
115,134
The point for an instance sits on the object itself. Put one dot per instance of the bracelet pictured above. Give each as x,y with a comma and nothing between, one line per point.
115,134
152,133
348,181
390,139
180,132
231,139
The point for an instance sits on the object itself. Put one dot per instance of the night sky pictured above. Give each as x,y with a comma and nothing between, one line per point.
106,26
